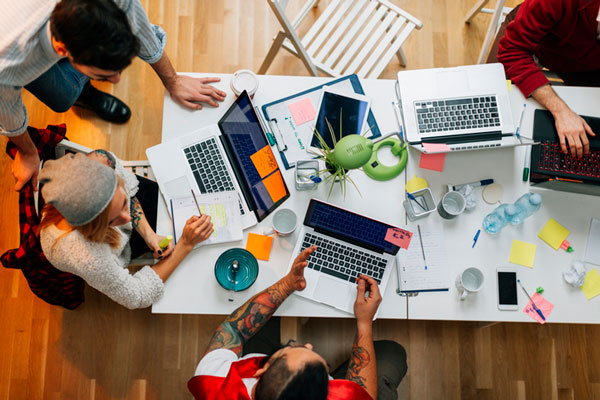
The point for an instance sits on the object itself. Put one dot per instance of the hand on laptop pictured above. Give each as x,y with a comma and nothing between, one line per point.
189,92
572,131
366,307
294,280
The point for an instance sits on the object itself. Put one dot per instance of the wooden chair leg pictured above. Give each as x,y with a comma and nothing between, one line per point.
277,42
475,10
401,57
491,32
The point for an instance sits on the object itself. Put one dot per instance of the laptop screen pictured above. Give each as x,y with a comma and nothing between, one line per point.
350,227
252,158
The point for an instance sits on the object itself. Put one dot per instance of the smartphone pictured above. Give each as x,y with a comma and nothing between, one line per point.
507,289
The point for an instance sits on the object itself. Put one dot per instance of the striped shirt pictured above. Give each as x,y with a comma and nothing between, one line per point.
26,51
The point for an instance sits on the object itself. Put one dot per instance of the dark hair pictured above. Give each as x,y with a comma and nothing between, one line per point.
95,32
280,383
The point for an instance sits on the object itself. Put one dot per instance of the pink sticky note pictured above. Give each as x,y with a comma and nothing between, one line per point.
544,305
436,147
302,111
399,237
434,162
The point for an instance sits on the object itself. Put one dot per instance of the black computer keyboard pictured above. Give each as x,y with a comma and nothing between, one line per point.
342,261
457,114
552,159
209,169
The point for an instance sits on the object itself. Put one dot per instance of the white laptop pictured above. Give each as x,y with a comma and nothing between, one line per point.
466,108
348,244
217,158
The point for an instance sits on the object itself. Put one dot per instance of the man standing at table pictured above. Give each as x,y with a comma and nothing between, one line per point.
561,35
54,49
231,367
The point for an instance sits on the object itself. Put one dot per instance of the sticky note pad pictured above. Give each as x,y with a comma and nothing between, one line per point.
264,161
509,85
259,246
275,186
399,237
544,305
591,284
434,162
302,111
522,253
553,233
436,147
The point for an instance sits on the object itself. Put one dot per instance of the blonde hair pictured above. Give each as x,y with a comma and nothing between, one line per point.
98,230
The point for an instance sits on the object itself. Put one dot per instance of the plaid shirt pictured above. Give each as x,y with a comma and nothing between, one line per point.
48,283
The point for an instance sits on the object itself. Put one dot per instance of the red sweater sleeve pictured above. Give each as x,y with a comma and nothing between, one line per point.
534,20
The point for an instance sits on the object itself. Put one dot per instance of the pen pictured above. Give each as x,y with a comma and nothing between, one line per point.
520,120
422,249
482,182
532,303
526,164
476,237
196,201
398,118
413,198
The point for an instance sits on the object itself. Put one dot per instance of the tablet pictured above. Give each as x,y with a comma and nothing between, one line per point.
349,110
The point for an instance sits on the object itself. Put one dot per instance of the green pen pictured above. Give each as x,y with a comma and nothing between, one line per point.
165,242
526,166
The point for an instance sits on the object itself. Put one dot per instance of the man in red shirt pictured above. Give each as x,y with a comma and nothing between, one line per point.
233,368
561,35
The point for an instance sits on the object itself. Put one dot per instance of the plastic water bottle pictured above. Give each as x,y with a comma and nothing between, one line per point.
526,205
498,219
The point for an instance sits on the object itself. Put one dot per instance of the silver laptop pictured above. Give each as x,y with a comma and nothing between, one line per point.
217,158
348,244
466,108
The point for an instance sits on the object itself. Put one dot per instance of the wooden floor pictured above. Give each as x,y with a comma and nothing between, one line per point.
102,351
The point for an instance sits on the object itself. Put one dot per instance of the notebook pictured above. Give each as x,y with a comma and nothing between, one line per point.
412,275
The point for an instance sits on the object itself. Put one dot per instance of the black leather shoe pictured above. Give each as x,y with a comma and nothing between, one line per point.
107,106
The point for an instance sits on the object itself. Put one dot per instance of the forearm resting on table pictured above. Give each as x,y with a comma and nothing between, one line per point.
165,267
363,367
548,98
249,318
165,71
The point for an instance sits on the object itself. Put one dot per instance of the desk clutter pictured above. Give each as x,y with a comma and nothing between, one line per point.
321,135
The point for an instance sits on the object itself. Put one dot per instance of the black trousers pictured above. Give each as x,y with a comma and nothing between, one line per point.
391,358
148,196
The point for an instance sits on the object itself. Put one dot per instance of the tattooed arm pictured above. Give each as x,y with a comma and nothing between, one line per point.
249,318
363,368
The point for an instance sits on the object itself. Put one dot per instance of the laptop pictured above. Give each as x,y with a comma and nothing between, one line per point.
551,168
348,244
466,108
217,158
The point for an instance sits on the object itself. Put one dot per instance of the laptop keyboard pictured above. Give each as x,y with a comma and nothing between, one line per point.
457,114
245,147
554,160
341,261
209,168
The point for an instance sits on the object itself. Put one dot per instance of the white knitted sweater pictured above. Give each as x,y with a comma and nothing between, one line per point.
101,266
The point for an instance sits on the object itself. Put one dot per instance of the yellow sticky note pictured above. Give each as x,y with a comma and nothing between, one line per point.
522,253
591,285
259,246
509,85
264,161
415,184
275,186
553,233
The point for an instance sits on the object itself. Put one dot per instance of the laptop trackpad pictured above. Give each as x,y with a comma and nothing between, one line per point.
178,188
332,291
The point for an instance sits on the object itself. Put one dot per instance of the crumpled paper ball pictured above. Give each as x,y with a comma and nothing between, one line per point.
575,275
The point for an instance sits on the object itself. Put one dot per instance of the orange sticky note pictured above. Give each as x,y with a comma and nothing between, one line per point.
434,162
259,246
275,186
264,161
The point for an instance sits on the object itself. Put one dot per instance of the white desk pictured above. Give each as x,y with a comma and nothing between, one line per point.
192,288
505,166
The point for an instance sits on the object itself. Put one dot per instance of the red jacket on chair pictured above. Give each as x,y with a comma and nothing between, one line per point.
560,33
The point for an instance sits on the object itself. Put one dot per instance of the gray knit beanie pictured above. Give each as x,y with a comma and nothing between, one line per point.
80,188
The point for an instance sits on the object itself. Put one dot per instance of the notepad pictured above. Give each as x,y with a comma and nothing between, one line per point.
259,246
434,162
592,249
553,233
522,253
222,207
412,275
544,306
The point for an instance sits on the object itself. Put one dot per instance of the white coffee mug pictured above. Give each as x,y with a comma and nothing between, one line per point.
470,281
284,222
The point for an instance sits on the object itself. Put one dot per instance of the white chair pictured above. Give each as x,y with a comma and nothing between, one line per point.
350,36
498,15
